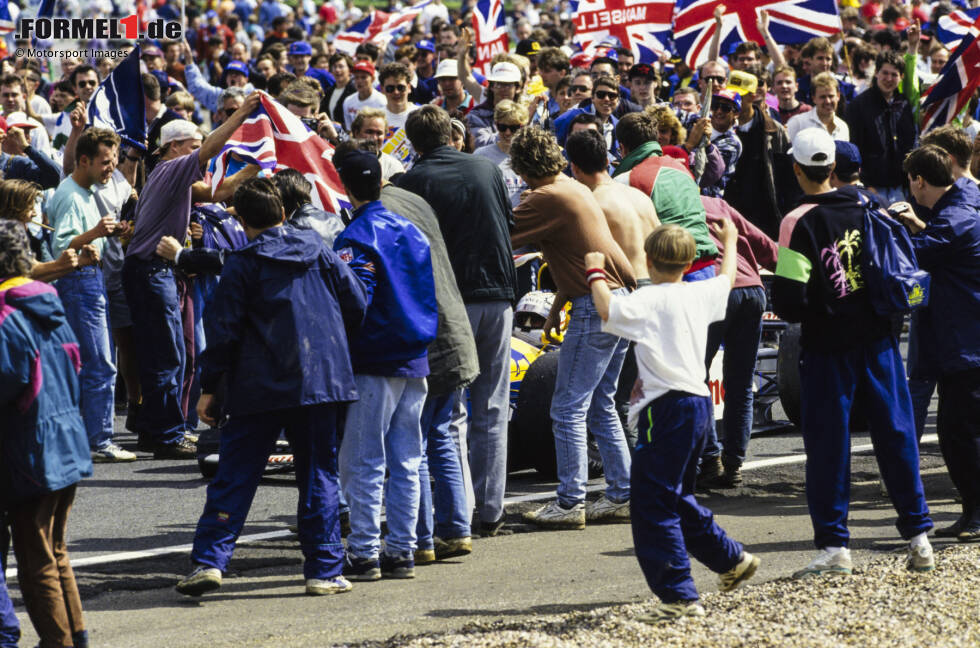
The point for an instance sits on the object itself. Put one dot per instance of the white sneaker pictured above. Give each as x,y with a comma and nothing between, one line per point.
671,612
112,454
830,560
743,571
920,558
605,509
322,587
553,515
200,581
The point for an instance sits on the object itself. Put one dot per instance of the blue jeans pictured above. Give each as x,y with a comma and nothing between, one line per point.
383,429
440,458
9,626
585,390
828,382
246,443
83,295
740,332
158,337
667,520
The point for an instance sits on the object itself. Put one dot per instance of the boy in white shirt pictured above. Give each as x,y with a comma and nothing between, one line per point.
669,323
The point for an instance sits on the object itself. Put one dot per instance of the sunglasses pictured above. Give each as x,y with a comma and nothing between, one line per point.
580,88
717,79
510,128
401,87
722,106
83,84
603,94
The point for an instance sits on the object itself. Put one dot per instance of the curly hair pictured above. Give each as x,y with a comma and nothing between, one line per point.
534,153
17,199
667,119
15,251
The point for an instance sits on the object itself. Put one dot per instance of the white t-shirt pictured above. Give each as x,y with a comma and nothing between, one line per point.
353,105
397,120
669,323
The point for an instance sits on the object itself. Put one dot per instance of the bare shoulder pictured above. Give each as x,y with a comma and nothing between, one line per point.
642,205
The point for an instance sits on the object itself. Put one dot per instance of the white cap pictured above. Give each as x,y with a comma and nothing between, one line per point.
447,68
813,147
179,129
20,119
504,72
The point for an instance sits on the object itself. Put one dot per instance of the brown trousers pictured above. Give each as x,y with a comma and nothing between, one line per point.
46,579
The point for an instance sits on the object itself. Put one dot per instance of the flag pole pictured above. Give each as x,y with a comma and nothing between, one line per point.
183,15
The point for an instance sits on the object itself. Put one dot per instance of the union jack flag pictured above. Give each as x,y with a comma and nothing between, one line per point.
790,21
945,99
6,22
276,139
491,32
378,27
953,27
641,25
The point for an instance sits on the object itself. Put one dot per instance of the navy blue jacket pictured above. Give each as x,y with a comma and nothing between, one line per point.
392,258
949,248
33,165
43,445
279,323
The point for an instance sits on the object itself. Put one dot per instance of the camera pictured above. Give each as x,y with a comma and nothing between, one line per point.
310,122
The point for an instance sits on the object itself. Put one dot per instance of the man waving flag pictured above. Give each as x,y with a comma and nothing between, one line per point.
641,25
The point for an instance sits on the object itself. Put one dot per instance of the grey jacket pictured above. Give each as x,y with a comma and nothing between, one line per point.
453,362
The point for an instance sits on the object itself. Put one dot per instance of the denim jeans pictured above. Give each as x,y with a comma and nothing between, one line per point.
159,340
383,429
740,332
492,323
585,390
440,458
9,626
83,294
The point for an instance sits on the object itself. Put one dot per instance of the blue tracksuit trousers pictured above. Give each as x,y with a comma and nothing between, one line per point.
667,520
9,626
246,443
828,384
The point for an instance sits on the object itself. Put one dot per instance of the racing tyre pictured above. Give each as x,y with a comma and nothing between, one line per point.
788,372
533,420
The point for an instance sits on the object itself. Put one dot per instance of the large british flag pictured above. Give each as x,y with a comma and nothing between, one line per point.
790,21
276,139
378,27
641,25
945,99
491,32
953,27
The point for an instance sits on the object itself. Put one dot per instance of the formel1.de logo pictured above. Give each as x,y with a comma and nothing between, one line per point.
127,28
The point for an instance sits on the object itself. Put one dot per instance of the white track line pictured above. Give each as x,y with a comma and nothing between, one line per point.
125,556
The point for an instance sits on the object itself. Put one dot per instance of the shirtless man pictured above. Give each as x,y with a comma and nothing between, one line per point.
629,212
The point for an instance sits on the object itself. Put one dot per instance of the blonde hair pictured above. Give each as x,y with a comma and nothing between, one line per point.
181,99
508,110
365,114
824,80
670,248
666,118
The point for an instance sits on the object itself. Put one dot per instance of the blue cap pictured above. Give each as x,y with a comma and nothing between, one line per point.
847,158
236,66
360,171
426,45
163,80
211,13
300,48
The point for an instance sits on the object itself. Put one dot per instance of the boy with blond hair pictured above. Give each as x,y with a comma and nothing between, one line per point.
669,321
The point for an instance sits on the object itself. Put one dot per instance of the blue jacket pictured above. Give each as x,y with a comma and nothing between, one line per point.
43,444
33,165
949,248
279,323
392,258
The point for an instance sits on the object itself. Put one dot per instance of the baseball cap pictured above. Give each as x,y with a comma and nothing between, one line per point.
504,72
742,82
360,171
20,119
847,158
3,124
151,50
580,60
642,70
364,66
528,47
609,56
447,68
813,147
211,13
426,45
730,96
300,48
178,129
236,66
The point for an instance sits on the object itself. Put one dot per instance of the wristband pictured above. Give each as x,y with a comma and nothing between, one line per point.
594,274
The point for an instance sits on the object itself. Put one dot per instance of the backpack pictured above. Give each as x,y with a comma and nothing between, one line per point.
895,283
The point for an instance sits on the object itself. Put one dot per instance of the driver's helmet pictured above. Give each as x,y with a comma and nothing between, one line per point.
533,308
